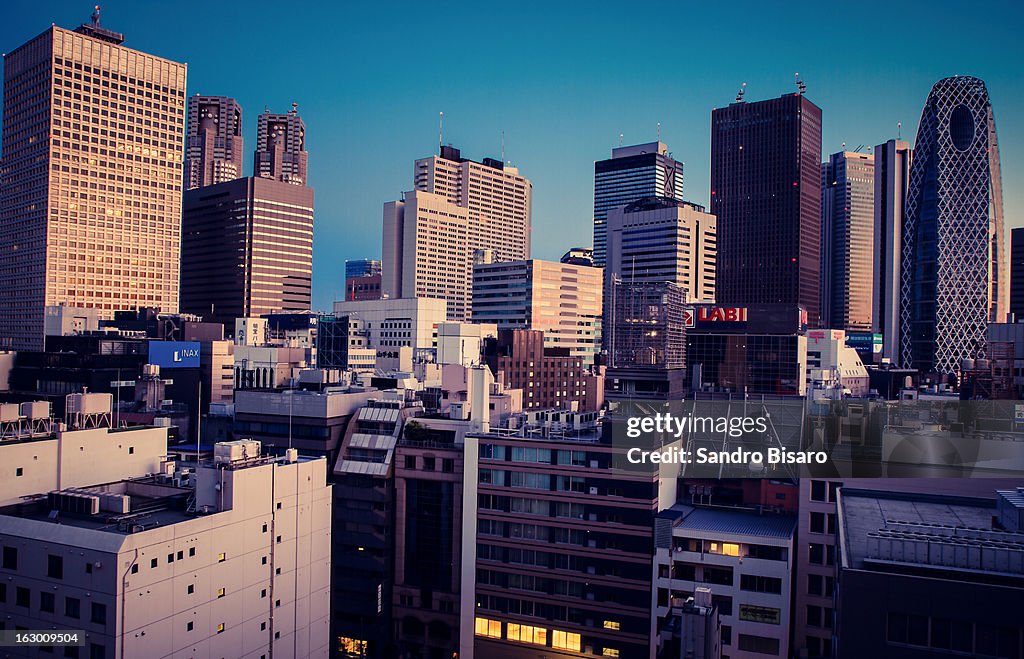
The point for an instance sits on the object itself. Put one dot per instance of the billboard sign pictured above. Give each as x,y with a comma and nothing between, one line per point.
174,354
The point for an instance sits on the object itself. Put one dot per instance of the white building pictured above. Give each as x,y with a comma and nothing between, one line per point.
392,323
745,558
658,239
834,368
457,207
267,367
462,343
244,571
560,299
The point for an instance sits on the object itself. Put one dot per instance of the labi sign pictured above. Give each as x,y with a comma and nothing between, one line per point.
174,354
695,316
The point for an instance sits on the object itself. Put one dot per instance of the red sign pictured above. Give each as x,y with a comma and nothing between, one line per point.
689,318
722,314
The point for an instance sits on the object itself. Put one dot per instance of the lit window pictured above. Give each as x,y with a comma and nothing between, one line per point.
220,592
611,624
490,628
220,628
221,557
565,640
725,548
527,634
609,652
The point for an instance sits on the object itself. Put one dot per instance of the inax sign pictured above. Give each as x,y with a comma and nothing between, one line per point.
174,354
694,315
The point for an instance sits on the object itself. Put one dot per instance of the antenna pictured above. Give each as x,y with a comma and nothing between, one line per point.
659,131
295,108
620,139
741,92
440,131
96,16
502,146
801,86
899,130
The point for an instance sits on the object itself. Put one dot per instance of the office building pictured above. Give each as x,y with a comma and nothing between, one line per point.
766,194
247,249
458,206
362,268
556,553
90,213
847,240
892,176
213,144
363,280
632,173
1017,272
463,343
953,266
393,323
231,560
551,378
925,575
646,342
744,558
281,148
757,349
657,239
559,299
834,369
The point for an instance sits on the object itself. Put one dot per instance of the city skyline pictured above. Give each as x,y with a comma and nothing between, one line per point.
365,132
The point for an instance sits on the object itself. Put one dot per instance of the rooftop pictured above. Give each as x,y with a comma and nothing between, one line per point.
735,521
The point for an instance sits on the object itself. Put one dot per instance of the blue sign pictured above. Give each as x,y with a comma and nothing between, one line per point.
174,354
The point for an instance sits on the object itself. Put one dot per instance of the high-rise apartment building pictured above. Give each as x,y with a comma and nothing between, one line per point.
892,175
90,207
457,208
632,173
1017,272
659,239
281,147
847,240
953,267
766,194
562,300
247,249
213,144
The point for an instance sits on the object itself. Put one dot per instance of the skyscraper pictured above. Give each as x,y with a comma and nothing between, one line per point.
660,239
281,147
847,240
953,267
362,280
213,145
90,208
766,194
247,249
633,172
892,175
458,207
1017,272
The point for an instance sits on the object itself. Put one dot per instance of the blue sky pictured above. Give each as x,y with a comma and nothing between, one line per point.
561,78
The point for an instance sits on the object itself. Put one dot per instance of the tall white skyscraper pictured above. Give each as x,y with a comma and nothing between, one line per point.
633,172
90,208
847,240
458,206
892,175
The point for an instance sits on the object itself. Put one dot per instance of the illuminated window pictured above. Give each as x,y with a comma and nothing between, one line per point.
725,548
565,640
490,628
612,624
220,628
352,647
220,592
527,634
609,652
221,557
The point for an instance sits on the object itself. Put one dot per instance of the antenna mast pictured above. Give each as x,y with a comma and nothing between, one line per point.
741,92
440,131
801,86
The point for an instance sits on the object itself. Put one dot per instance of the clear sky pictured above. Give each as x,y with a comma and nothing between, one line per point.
561,78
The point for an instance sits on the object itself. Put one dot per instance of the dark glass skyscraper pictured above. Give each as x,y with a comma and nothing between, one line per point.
953,276
1017,272
766,194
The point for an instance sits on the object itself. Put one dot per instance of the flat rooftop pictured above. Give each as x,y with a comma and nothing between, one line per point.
907,532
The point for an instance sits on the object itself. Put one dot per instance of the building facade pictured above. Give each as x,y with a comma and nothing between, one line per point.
892,175
562,300
247,249
393,323
657,239
1017,272
953,266
632,173
766,194
213,144
281,148
458,207
90,214
847,240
